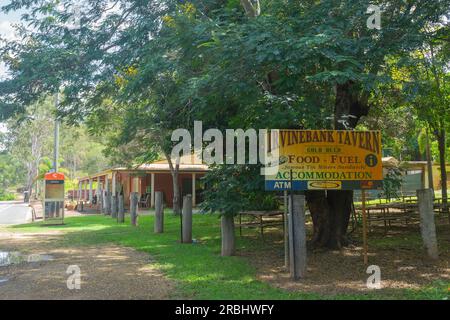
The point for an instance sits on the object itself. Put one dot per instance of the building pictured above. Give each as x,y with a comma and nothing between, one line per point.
145,179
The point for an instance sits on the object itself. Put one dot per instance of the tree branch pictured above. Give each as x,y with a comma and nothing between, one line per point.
252,7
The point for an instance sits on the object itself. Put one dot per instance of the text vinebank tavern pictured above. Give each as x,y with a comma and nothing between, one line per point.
368,140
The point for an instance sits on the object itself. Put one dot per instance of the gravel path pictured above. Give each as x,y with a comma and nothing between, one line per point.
107,271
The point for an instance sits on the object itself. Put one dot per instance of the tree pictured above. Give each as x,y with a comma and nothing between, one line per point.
9,172
28,145
272,64
428,89
29,139
89,60
316,52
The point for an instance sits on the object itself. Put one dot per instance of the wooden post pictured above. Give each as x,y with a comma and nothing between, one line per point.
104,205
114,183
133,208
228,239
297,236
113,206
80,186
152,191
109,199
85,193
286,230
102,198
107,196
427,225
159,212
114,197
90,191
98,193
121,210
364,218
193,191
187,219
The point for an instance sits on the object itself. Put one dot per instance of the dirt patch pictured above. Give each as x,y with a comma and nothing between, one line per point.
398,254
107,271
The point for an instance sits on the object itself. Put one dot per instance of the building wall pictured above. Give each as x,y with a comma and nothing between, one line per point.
437,185
163,183
437,176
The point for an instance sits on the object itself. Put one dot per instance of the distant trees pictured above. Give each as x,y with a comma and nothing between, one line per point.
28,148
428,89
10,173
29,139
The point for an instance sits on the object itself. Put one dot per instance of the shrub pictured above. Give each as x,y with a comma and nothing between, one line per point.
7,196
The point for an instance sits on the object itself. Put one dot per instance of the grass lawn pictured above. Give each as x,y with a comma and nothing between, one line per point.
198,269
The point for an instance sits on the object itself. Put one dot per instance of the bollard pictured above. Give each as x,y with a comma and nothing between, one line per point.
99,202
105,202
120,210
297,236
133,208
114,206
187,219
427,225
108,203
159,212
286,229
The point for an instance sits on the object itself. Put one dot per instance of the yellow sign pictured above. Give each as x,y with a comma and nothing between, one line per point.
328,160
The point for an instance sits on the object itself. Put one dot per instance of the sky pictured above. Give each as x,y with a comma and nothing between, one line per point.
6,29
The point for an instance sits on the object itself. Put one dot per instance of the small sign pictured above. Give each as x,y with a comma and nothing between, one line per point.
328,160
54,197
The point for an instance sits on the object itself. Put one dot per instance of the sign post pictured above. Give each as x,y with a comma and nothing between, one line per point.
297,236
54,198
285,229
364,221
329,160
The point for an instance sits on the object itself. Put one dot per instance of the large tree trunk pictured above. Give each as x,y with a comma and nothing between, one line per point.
331,210
228,239
174,170
440,135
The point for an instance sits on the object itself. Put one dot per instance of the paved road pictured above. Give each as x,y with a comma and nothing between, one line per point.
14,212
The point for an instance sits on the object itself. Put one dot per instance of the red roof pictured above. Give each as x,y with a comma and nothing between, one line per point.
54,176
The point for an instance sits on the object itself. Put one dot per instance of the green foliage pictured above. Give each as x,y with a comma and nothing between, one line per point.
7,196
136,74
10,170
392,183
232,189
28,152
422,141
